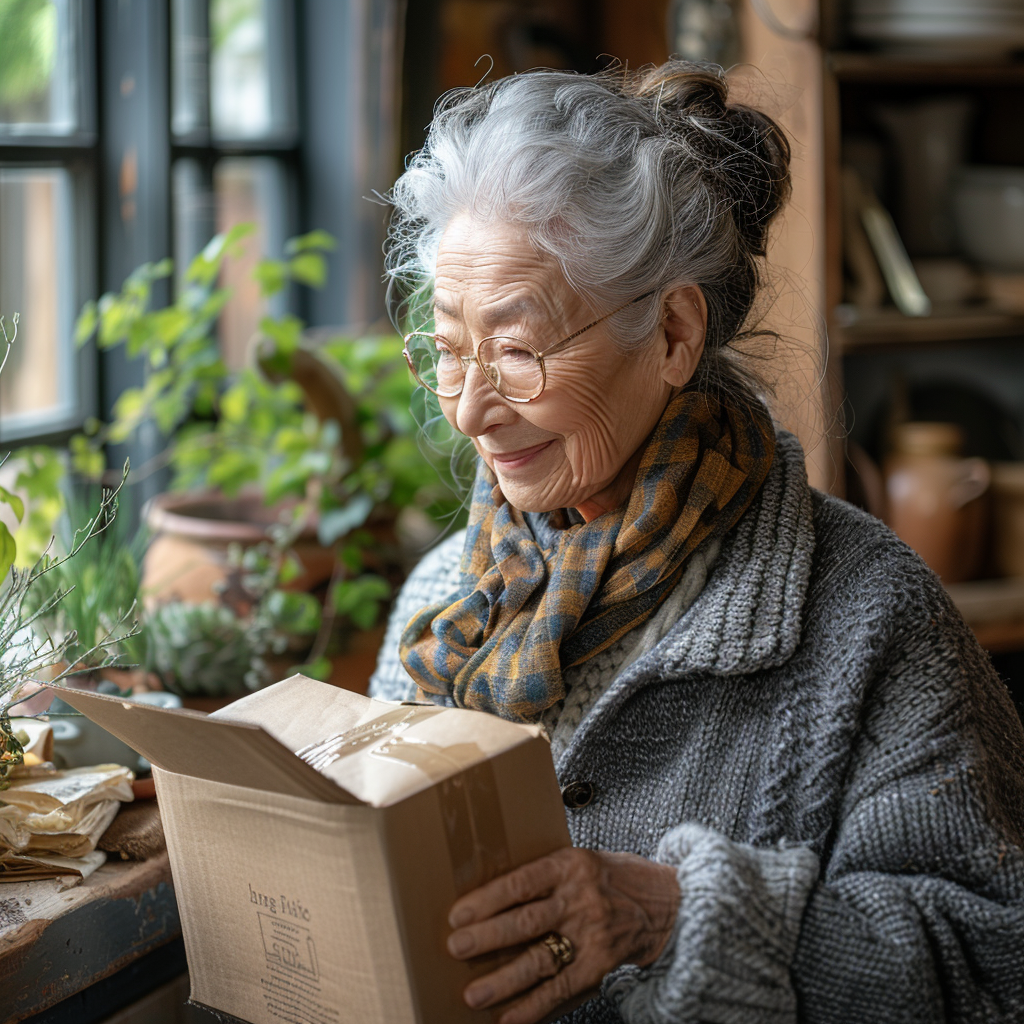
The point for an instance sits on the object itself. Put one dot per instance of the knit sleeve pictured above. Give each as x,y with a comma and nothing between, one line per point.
737,928
915,913
435,577
919,914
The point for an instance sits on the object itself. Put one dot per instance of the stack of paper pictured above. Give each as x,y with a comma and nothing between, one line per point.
50,823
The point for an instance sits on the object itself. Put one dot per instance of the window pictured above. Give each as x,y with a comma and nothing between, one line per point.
131,130
47,160
235,140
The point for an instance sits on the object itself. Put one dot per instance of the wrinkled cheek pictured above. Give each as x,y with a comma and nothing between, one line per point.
592,456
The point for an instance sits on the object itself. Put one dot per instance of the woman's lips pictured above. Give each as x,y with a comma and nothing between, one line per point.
515,460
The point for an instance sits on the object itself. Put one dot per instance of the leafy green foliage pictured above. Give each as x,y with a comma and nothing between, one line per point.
220,648
100,587
30,597
27,649
202,650
40,474
325,427
361,599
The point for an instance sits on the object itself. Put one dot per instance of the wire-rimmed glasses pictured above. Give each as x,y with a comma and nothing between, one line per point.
513,367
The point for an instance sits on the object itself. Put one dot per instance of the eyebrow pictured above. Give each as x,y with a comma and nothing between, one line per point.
495,317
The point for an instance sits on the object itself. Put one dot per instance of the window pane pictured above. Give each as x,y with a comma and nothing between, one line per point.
38,384
195,213
38,68
252,92
189,67
249,190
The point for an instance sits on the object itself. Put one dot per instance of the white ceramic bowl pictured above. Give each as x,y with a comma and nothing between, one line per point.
948,27
988,211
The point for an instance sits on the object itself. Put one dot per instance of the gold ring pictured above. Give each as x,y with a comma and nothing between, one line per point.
560,948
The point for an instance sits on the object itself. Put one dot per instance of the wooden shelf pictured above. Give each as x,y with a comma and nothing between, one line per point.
880,68
994,609
887,328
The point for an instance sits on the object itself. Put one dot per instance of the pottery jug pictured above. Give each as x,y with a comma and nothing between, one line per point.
935,498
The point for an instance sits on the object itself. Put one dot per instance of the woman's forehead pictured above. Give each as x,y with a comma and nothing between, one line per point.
491,272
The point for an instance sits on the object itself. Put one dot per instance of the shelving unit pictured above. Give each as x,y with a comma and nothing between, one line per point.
880,68
853,83
994,609
886,328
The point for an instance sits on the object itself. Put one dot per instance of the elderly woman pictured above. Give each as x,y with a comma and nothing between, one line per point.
793,782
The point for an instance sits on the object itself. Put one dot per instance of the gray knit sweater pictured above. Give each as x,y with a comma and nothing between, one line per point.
826,756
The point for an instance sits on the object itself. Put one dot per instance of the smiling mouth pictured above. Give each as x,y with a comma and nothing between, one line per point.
513,460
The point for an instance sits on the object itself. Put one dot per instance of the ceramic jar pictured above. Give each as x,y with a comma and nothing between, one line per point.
935,499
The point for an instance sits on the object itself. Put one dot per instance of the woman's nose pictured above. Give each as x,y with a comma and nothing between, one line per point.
479,404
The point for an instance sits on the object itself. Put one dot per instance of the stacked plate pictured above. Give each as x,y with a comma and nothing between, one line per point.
953,27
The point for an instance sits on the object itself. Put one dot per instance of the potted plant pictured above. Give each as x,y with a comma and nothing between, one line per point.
309,452
29,653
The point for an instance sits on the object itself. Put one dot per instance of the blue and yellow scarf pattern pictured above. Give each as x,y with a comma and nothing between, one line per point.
539,594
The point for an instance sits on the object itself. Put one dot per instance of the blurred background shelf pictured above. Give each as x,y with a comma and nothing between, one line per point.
994,609
888,327
874,68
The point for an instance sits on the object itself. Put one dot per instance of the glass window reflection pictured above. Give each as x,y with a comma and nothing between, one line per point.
37,66
251,94
38,380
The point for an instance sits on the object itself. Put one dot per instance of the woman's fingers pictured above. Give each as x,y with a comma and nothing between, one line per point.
542,1000
534,964
614,908
531,882
514,927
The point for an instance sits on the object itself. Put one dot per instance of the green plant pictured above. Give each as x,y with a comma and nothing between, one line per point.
27,650
217,649
325,428
204,649
8,545
100,587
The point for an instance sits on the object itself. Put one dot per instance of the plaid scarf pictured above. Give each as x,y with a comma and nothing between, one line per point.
539,594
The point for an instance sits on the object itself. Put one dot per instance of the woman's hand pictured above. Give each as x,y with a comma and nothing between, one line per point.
614,908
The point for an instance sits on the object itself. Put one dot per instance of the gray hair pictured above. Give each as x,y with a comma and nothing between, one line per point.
634,182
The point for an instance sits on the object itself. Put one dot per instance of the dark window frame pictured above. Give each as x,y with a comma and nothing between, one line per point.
347,75
76,153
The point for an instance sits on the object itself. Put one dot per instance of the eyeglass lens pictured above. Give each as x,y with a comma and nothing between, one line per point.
511,366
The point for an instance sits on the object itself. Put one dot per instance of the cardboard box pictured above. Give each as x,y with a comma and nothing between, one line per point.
322,896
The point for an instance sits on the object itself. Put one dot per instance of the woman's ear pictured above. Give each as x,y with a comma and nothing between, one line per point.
685,323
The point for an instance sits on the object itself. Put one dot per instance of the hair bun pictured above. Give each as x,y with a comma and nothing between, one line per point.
684,87
744,153
757,180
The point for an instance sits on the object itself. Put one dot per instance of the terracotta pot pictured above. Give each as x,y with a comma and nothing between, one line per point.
935,499
192,533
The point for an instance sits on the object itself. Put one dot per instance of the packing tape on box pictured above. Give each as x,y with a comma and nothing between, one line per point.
469,799
474,827
324,753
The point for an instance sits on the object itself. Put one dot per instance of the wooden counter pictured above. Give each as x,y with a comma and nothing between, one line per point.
55,944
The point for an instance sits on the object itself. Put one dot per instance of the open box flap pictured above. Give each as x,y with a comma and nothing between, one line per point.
376,750
206,747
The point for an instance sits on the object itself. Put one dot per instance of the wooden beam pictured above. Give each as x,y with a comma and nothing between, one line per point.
785,77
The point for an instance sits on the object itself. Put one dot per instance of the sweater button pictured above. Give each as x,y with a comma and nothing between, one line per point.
577,794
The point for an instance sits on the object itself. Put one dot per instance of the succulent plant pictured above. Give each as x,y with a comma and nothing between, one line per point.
204,649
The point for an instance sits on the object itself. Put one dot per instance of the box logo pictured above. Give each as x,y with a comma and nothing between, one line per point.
289,946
